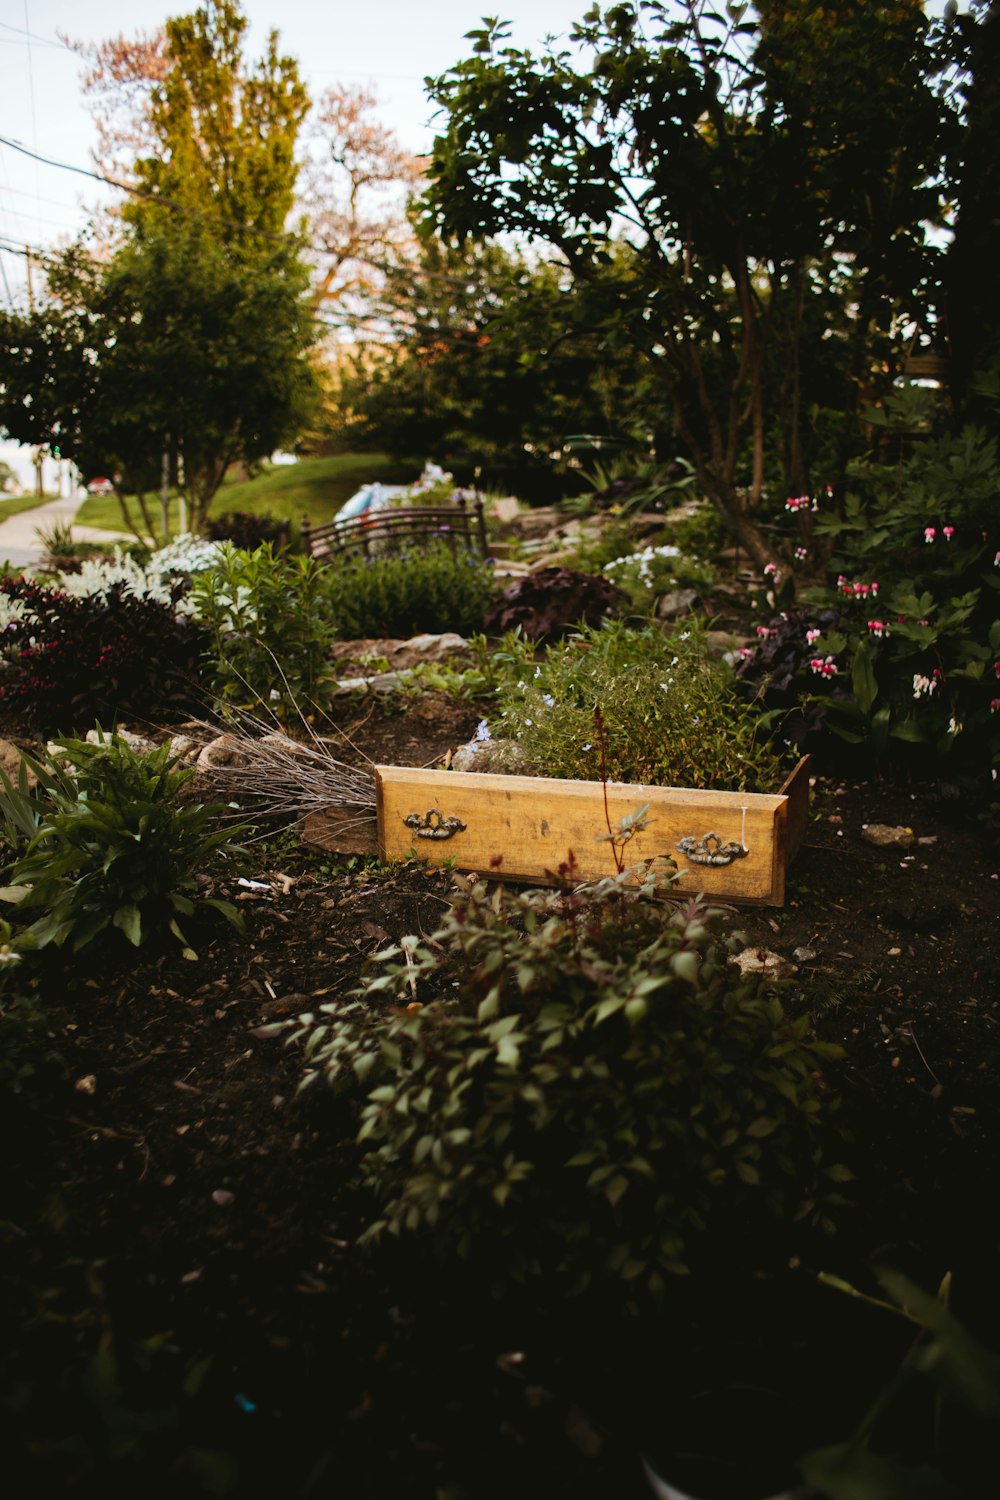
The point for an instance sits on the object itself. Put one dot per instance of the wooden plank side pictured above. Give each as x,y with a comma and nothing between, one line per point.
796,788
527,827
341,832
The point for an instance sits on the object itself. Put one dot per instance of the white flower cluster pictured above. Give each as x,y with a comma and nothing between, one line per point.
11,610
185,554
642,561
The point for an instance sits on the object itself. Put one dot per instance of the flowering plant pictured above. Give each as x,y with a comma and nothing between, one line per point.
903,644
920,635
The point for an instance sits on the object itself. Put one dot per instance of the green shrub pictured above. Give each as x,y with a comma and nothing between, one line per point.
428,590
669,713
113,849
270,625
577,1085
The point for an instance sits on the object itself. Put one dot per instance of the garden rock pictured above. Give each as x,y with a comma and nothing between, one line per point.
406,653
677,602
885,837
763,961
136,742
501,756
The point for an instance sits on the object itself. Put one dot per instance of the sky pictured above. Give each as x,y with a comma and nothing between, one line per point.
389,46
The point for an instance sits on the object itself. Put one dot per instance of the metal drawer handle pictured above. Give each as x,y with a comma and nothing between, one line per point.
710,850
433,826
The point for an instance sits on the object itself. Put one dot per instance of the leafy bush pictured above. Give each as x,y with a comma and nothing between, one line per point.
113,848
578,1084
95,647
247,531
270,625
546,604
426,590
916,635
669,712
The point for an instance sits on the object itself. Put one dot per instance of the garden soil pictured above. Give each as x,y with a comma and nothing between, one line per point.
186,1309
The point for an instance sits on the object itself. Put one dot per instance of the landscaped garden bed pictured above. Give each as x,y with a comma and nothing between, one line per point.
205,1287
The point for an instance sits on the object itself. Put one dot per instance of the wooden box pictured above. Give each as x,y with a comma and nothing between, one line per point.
736,846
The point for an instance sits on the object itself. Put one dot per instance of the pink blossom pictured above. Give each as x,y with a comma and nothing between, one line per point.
801,553
929,533
994,705
878,628
947,532
763,632
770,570
825,667
812,635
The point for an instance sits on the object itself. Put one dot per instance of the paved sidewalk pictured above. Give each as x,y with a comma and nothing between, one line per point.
19,543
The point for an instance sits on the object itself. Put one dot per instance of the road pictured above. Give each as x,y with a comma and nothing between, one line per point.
19,544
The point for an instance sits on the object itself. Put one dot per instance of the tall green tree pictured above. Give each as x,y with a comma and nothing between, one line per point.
224,129
196,333
762,166
488,359
177,342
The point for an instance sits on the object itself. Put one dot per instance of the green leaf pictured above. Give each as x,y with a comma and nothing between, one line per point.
863,680
128,920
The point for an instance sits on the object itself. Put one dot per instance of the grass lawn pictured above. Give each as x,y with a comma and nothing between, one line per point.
316,487
16,504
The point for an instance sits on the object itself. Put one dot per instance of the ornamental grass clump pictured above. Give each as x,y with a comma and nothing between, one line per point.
614,704
104,846
577,1085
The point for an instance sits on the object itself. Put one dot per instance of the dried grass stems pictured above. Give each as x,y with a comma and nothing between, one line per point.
263,769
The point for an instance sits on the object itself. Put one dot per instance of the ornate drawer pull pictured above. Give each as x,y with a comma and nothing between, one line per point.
710,850
433,826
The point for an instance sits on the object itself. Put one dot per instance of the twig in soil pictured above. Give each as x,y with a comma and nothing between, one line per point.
907,1030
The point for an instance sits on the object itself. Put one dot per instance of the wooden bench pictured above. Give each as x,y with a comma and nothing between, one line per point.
398,527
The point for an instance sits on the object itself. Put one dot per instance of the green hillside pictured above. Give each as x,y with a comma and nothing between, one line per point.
316,487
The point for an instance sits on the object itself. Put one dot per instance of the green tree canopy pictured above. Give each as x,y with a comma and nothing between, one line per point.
196,332
756,162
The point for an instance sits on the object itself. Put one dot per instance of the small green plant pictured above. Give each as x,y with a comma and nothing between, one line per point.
113,850
907,1444
577,1085
430,589
670,712
270,624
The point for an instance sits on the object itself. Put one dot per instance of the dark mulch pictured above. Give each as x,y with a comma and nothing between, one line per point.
184,1304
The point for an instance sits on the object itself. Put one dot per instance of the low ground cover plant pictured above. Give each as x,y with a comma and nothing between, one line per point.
426,590
103,845
616,704
576,1085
